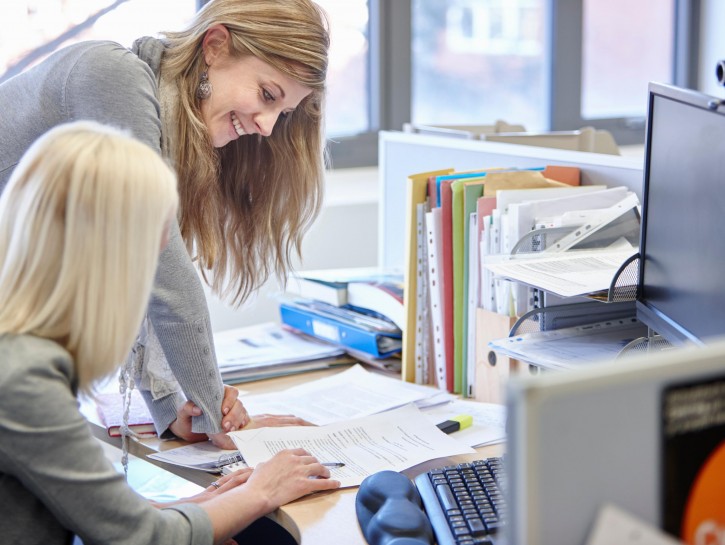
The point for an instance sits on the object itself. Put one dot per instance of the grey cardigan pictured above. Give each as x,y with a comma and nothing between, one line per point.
54,477
106,82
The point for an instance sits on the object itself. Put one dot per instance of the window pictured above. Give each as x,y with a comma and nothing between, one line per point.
546,64
607,54
614,81
32,29
479,61
348,110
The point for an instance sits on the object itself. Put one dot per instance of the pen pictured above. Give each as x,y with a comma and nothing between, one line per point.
460,422
333,464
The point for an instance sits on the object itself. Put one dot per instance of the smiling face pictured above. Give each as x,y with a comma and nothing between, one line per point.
248,95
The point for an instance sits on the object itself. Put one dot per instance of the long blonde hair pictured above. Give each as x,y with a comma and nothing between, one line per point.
246,207
81,223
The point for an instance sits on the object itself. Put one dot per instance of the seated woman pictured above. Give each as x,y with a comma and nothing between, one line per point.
82,221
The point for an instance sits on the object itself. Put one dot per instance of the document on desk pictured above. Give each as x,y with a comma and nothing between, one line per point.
204,456
267,345
566,274
489,421
350,394
394,440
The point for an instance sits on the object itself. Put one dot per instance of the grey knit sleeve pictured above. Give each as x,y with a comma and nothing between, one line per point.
110,84
55,476
180,318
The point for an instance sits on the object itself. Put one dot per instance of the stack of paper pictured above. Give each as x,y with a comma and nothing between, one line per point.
350,394
268,350
356,393
568,273
345,401
395,440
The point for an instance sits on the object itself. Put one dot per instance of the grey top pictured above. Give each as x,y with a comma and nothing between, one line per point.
108,83
54,477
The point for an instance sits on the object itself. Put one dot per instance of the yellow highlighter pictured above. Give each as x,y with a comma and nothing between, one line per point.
460,422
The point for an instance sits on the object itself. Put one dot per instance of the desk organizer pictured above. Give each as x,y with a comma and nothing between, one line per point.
570,315
643,345
615,304
624,283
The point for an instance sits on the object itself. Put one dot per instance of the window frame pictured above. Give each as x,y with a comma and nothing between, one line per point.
566,72
390,75
389,83
390,67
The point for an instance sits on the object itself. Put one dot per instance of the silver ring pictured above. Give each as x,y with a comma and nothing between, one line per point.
216,484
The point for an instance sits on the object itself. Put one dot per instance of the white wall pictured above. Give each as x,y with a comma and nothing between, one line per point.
344,235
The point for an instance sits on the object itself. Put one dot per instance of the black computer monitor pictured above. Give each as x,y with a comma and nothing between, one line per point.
681,293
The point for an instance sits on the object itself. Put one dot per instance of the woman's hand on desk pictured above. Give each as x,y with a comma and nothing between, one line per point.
225,482
288,475
234,417
275,421
222,440
181,427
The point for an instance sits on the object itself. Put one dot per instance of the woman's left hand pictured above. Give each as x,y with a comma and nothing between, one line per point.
225,482
222,484
235,416
275,421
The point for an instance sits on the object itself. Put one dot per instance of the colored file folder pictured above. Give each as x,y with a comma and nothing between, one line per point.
378,344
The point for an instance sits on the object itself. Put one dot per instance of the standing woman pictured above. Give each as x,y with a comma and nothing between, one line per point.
82,221
235,103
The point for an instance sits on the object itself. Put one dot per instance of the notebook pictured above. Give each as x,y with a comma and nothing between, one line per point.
110,410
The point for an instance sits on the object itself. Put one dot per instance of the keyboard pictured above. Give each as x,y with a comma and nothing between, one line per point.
465,503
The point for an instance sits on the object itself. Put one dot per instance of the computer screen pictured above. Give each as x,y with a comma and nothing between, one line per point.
681,293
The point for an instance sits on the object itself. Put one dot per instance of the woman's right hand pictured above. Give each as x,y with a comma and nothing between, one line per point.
181,427
275,421
288,475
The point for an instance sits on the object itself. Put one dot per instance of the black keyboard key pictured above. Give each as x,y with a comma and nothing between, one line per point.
446,497
461,531
476,526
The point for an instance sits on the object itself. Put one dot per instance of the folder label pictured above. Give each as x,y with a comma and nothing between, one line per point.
326,331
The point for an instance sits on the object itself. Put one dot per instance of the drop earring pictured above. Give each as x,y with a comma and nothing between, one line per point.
203,91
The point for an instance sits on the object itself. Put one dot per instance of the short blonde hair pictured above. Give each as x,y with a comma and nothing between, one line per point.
81,224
